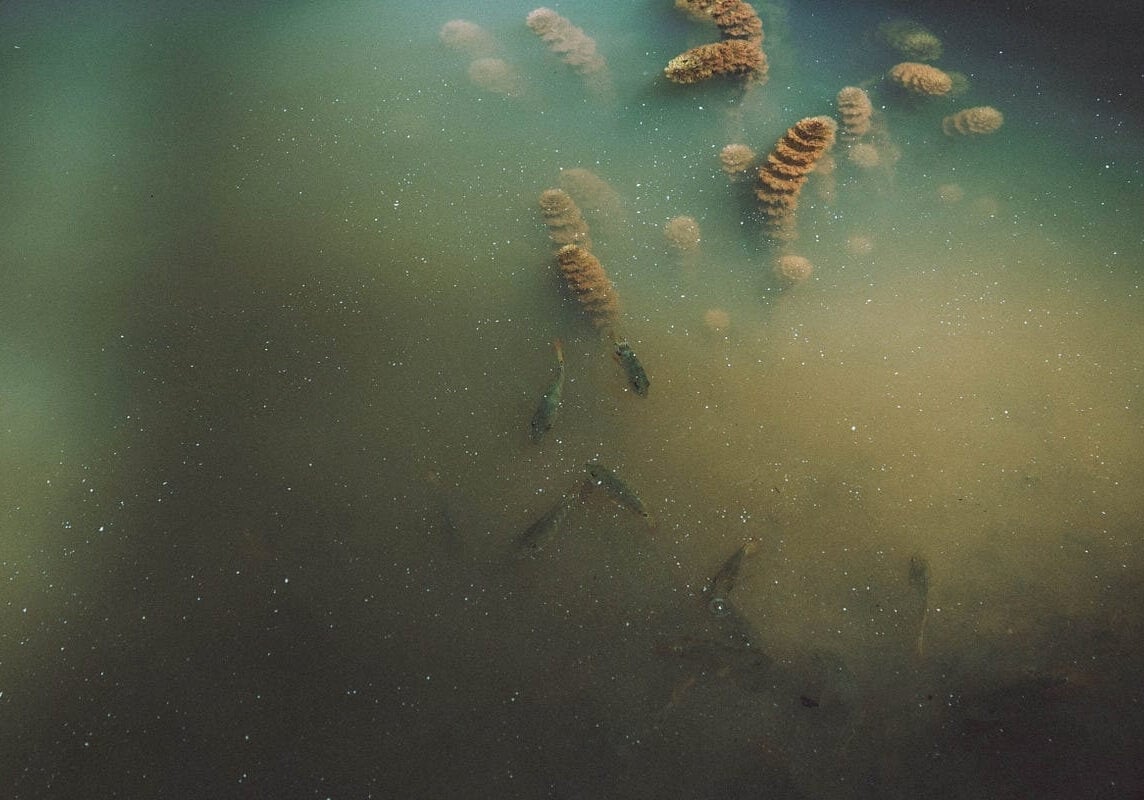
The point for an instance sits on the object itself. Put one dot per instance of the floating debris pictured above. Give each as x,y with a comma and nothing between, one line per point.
919,580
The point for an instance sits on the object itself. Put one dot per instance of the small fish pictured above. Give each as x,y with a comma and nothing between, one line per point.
634,369
722,582
550,403
534,539
615,488
919,579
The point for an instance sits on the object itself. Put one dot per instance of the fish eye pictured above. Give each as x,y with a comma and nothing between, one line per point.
718,606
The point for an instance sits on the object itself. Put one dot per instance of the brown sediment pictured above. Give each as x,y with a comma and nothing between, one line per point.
468,37
590,284
864,155
782,175
973,121
697,8
590,191
735,19
495,75
910,39
825,182
921,79
739,53
859,244
565,223
575,48
950,193
736,158
682,233
716,320
792,269
855,110
731,57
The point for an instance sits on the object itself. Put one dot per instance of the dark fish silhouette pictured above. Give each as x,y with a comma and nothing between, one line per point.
550,402
536,537
602,477
719,586
633,368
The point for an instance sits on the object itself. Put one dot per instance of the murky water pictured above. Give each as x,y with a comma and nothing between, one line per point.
280,304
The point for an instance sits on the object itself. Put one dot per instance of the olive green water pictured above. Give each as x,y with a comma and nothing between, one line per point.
279,306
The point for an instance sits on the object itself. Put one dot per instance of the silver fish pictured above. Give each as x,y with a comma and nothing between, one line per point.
615,488
534,539
719,586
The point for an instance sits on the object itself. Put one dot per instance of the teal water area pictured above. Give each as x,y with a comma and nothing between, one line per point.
278,308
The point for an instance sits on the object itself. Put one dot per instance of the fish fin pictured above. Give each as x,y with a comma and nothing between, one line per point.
558,345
